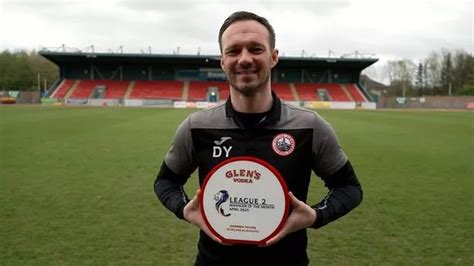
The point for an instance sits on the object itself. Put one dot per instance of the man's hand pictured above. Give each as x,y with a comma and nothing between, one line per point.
302,216
193,215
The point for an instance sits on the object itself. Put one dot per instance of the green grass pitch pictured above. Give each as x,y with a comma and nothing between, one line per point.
76,189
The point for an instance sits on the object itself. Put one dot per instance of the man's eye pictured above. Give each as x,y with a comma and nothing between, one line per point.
257,50
231,52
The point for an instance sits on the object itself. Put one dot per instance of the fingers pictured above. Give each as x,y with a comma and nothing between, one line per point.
195,199
294,201
286,228
300,217
210,234
276,238
193,215
191,206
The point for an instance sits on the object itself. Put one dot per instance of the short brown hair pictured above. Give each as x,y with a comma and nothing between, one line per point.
242,16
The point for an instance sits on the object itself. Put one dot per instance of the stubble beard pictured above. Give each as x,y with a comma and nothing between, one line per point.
249,89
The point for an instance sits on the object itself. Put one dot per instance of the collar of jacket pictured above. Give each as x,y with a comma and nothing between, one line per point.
274,115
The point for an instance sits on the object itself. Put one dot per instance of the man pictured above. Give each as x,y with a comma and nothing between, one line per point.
247,124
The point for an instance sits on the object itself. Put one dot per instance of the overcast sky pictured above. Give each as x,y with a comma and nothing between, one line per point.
393,29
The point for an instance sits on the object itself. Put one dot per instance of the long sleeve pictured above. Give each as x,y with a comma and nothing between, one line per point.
345,193
177,167
169,189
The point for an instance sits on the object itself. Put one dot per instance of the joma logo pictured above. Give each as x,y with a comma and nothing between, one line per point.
218,150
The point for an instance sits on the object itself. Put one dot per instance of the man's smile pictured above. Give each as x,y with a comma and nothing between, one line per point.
246,72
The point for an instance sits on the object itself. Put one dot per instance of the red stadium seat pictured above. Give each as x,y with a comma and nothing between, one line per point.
198,90
83,89
145,89
307,91
335,91
62,89
115,89
283,91
173,90
356,93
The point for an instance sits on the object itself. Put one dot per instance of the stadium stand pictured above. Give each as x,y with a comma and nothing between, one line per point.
198,90
307,91
224,92
62,89
145,89
161,78
83,89
356,93
335,91
115,89
283,91
130,86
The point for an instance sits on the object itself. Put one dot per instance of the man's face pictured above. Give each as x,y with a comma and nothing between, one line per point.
247,58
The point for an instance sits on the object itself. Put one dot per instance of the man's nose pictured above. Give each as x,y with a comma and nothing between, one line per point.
245,57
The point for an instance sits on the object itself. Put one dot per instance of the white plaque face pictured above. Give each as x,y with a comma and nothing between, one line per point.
244,200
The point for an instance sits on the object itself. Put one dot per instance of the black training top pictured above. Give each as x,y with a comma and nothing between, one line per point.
295,141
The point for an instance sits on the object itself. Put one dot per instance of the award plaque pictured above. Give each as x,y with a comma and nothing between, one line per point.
244,200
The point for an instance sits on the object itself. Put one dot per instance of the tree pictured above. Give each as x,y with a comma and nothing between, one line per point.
446,71
19,70
468,86
433,72
47,70
420,81
462,68
400,73
15,73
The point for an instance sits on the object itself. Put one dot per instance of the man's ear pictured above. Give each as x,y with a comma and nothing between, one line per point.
222,63
274,57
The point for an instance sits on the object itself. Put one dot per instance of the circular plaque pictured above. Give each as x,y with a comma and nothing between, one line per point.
244,200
